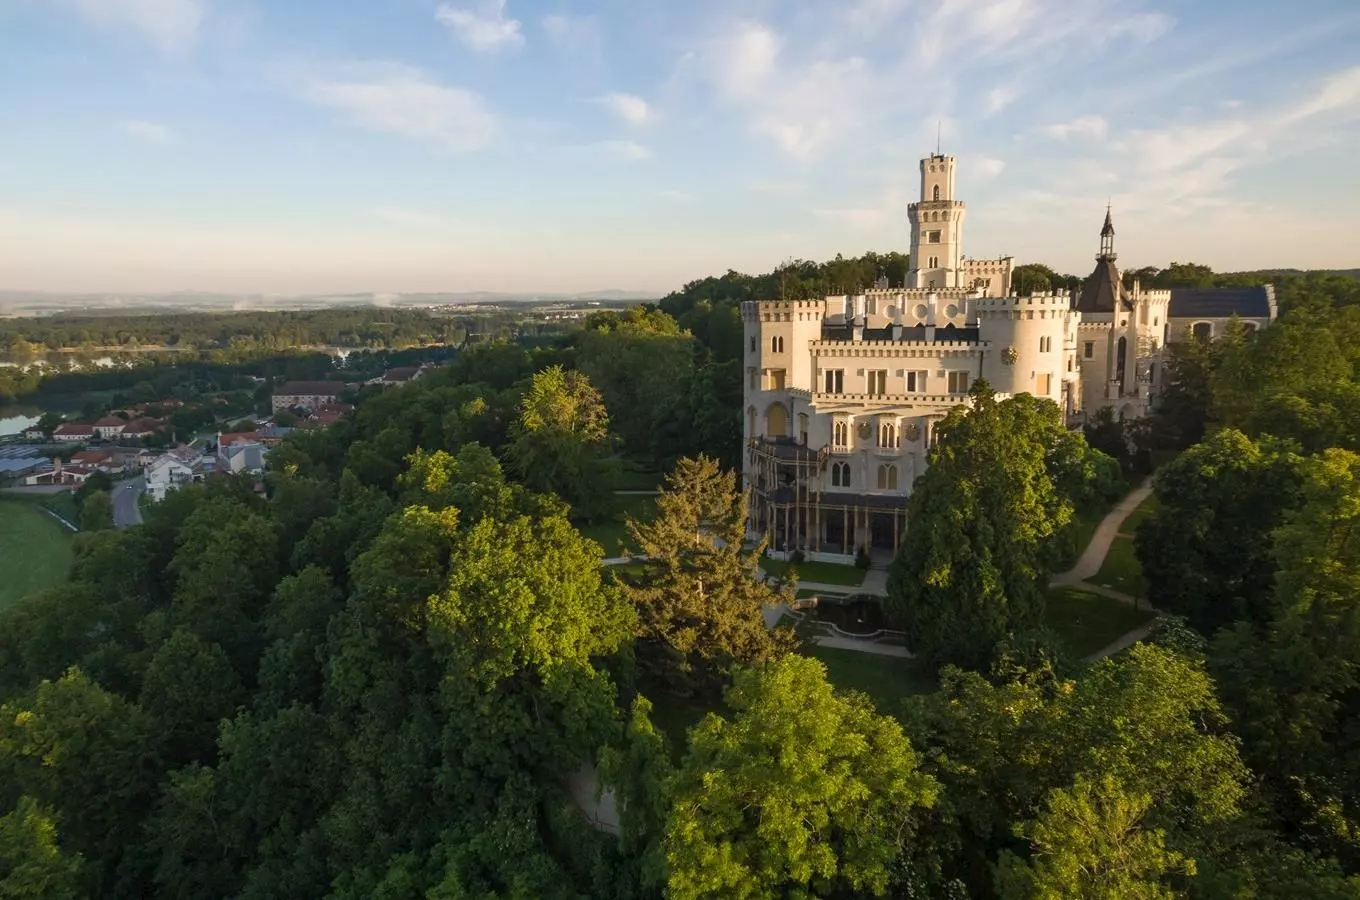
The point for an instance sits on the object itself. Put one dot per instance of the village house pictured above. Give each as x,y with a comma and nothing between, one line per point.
109,427
169,471
59,473
74,433
307,395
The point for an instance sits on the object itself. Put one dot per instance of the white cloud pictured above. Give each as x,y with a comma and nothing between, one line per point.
1085,127
998,98
485,30
149,132
803,109
983,168
629,107
398,99
573,34
172,25
410,218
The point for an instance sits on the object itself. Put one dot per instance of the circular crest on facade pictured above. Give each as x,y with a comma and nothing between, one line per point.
911,431
1010,355
864,430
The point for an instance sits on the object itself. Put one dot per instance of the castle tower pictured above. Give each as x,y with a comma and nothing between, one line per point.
936,227
1107,238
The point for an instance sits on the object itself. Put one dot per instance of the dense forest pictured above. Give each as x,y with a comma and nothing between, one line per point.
402,672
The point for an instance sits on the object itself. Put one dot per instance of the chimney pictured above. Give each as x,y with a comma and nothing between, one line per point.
56,465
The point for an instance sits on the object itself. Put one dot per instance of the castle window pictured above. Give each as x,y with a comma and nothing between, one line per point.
876,381
916,382
887,478
1045,344
802,428
753,345
887,434
1088,351
937,192
934,237
840,434
958,382
777,344
871,306
840,474
834,381
1202,331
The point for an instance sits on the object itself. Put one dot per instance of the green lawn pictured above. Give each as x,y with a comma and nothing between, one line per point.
613,535
1086,622
1145,509
635,478
35,551
888,680
1121,570
820,572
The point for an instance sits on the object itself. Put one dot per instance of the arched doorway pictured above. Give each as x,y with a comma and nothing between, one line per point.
776,421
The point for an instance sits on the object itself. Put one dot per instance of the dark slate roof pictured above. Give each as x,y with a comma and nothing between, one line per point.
1219,303
1102,289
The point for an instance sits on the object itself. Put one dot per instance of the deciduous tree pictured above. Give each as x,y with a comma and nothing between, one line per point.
804,792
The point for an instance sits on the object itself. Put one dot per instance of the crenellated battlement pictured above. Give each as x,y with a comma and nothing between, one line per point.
782,310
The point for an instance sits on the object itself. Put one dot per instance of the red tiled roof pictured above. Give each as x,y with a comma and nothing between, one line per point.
75,428
111,422
92,457
143,426
240,437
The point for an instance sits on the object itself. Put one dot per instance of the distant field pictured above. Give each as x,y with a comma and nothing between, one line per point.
35,551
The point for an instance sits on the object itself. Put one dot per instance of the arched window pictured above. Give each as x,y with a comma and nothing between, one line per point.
776,421
887,478
937,192
887,434
777,344
840,433
802,428
840,474
892,478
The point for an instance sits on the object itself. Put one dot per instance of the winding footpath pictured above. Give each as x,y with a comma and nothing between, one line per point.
1094,557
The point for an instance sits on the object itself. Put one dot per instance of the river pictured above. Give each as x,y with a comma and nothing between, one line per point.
14,419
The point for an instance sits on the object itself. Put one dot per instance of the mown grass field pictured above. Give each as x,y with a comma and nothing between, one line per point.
35,551
612,534
1121,570
817,572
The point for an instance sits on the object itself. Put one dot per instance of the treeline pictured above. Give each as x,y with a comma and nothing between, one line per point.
24,339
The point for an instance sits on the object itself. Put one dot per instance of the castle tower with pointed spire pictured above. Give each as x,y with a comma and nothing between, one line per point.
1107,237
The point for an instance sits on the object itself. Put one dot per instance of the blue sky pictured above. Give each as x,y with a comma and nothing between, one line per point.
286,146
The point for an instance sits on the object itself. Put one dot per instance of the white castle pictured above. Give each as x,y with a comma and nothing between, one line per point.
842,394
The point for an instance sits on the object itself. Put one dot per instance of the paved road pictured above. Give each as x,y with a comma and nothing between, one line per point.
125,509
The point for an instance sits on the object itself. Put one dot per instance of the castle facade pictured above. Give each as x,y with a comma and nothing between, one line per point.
842,394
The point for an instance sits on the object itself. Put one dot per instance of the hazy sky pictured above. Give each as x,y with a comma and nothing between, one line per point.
411,145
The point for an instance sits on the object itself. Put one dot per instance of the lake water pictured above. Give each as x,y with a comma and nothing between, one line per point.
14,419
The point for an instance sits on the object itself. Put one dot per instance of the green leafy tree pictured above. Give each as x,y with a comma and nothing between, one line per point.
87,755
638,769
1090,841
701,599
1207,551
975,561
802,793
1294,685
188,689
96,513
32,862
560,444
